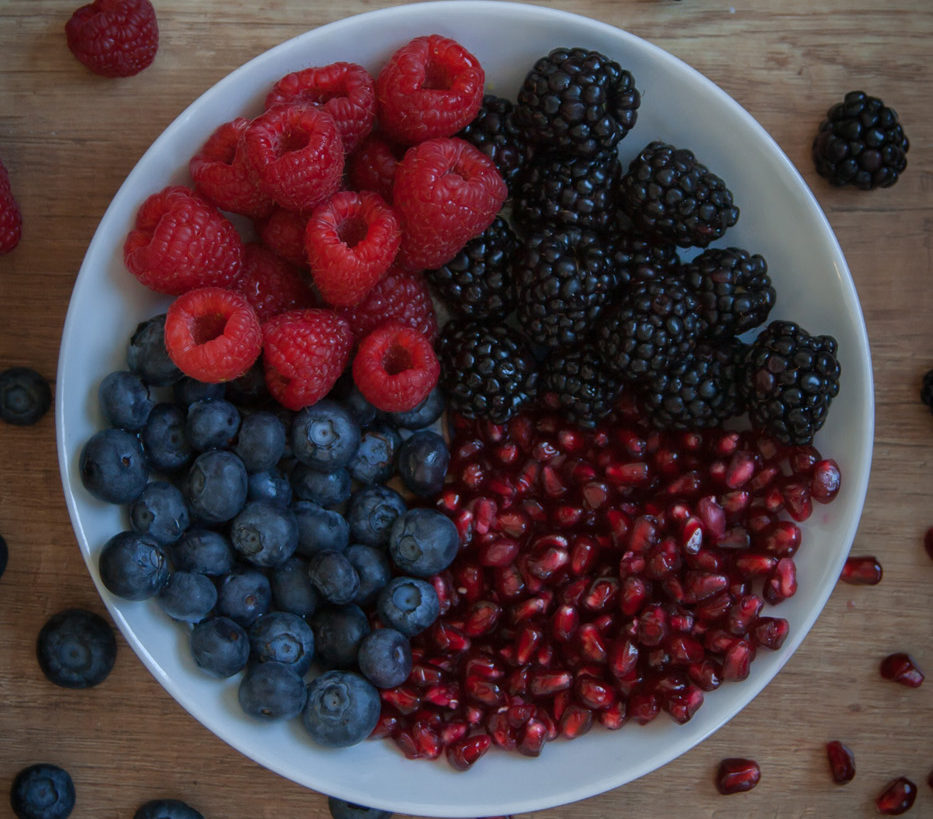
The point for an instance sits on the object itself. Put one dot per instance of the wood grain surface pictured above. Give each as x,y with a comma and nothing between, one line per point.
69,138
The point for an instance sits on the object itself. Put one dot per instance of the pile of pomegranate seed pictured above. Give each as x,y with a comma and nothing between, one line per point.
605,575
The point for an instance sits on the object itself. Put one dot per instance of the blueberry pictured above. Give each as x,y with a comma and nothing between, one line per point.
319,528
264,533
261,441
325,436
384,657
216,486
422,463
270,486
362,411
220,646
164,440
212,424
146,353
204,550
244,595
291,588
341,809
25,396
342,709
423,542
76,649
250,390
188,597
166,809
374,459
371,513
42,791
333,576
422,415
134,566
160,511
125,400
113,467
328,489
408,604
4,555
272,691
372,566
188,390
285,638
338,631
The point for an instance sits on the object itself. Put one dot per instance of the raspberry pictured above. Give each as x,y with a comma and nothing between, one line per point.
272,284
431,87
222,176
345,90
181,242
401,296
11,220
296,153
212,334
283,231
351,240
371,167
445,193
304,353
395,367
114,38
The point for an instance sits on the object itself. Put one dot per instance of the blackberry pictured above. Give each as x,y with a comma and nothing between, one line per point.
652,326
561,281
789,379
477,282
495,133
572,192
576,381
670,195
635,258
860,143
926,389
733,289
486,372
577,101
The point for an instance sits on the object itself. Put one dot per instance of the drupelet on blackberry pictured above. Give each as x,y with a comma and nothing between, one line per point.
494,132
577,382
637,259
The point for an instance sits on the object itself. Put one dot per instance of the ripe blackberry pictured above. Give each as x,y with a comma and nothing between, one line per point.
486,372
577,101
561,280
652,326
477,282
562,191
926,389
577,382
861,143
668,194
733,289
637,259
494,132
789,378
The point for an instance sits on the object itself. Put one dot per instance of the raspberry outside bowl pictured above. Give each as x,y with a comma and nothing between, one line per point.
786,226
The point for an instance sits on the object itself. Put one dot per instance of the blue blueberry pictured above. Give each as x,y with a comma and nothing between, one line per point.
212,424
25,396
338,631
215,486
372,566
146,353
220,646
134,566
422,415
125,400
270,486
76,649
333,576
291,588
206,551
374,459
422,463
113,467
284,638
164,440
384,657
244,595
342,709
166,809
408,604
328,489
371,513
363,412
423,542
250,390
272,691
324,436
160,511
42,791
319,528
264,533
261,441
188,597
188,390
341,809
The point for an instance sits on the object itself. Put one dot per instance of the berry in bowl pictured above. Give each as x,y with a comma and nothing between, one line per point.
457,400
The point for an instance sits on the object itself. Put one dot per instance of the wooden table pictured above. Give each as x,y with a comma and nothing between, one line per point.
68,140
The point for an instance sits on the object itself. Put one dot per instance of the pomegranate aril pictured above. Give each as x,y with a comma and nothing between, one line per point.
841,762
533,736
802,459
684,650
825,481
897,797
797,500
900,667
564,623
449,638
584,551
683,705
754,565
468,581
508,582
701,586
424,675
737,660
707,674
461,753
482,665
742,614
714,607
532,607
601,594
781,583
712,515
862,571
736,775
652,626
442,695
623,658
741,467
387,726
545,683
591,644
407,745
593,692
482,618
770,632
403,698
633,595
643,707
527,640
500,731
781,539
575,721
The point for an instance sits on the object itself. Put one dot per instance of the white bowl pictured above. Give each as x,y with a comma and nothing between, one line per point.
780,219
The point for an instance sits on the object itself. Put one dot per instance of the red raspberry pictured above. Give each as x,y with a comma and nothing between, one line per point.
181,242
395,367
431,87
222,176
401,296
283,232
304,352
445,193
272,284
371,167
115,38
212,334
351,240
11,220
345,90
296,153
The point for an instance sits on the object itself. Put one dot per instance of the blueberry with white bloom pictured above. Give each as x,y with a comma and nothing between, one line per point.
147,355
291,587
244,595
264,533
334,576
423,542
220,646
338,631
206,551
271,486
125,400
112,466
327,489
160,511
371,513
325,435
341,809
422,463
374,460
188,390
423,414
261,441
284,638
374,570
166,809
188,597
342,709
385,658
134,566
319,528
272,691
215,486
164,441
408,604
212,424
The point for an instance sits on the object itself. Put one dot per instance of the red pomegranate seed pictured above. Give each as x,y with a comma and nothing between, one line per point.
782,582
527,640
802,459
683,705
601,594
797,500
742,614
737,660
643,707
897,797
684,650
770,632
742,466
501,733
482,618
622,658
584,551
533,736
388,725
405,699
901,668
425,675
508,582
532,607
564,623
512,523
712,515
781,539
754,565
707,674
593,692
545,683
826,480
575,721
463,752
468,581
426,740
841,762
737,775
613,717
591,645
714,607
443,696
499,551
701,586
449,638
862,571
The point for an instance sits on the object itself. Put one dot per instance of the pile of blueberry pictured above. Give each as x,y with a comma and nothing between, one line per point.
296,547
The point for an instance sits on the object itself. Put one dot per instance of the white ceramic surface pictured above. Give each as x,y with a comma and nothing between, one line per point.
779,218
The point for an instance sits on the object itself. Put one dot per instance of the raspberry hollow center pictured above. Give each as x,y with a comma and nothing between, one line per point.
208,327
436,77
352,230
397,359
